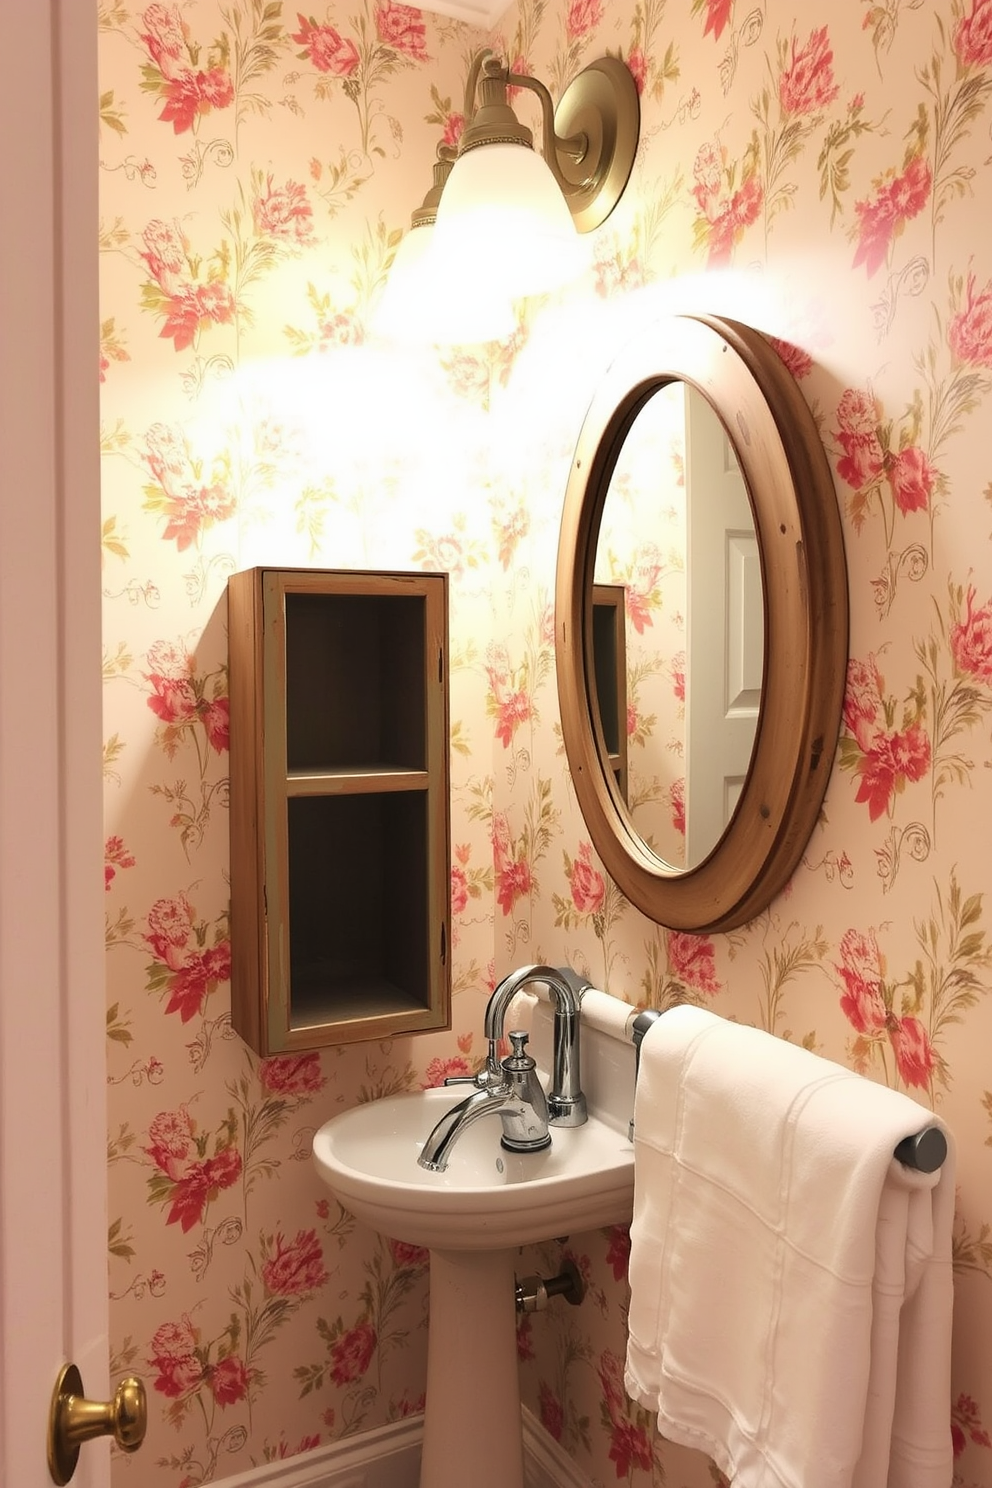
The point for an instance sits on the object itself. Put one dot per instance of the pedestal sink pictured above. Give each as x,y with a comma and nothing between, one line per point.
472,1217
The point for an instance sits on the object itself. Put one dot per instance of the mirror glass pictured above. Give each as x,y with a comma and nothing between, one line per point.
700,622
678,626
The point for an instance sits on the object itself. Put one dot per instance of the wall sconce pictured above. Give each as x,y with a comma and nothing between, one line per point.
514,217
502,221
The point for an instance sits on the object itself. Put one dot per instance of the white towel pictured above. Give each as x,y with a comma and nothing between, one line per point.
790,1309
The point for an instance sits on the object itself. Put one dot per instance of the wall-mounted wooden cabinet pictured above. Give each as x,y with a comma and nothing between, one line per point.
340,858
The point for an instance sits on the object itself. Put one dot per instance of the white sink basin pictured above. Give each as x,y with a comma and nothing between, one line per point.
487,1198
473,1216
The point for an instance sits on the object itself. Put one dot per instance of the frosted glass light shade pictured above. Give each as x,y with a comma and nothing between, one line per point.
419,305
503,221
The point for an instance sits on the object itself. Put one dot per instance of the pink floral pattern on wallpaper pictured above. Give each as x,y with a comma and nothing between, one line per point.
259,165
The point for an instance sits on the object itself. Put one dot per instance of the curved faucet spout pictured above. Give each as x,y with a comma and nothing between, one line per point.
523,1110
566,1103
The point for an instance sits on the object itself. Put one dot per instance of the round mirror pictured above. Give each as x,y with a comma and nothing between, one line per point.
678,626
701,623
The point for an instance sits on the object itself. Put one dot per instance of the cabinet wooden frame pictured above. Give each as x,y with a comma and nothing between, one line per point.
340,832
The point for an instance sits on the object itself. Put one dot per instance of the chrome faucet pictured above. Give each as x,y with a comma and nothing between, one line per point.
518,1099
511,1089
566,1103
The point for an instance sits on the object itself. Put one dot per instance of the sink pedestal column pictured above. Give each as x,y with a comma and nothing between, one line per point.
472,1427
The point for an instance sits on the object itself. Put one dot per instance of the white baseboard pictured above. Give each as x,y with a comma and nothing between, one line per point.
389,1457
546,1463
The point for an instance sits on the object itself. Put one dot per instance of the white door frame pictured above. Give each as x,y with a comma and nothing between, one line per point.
53,1225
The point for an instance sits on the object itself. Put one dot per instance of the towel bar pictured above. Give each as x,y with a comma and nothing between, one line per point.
924,1152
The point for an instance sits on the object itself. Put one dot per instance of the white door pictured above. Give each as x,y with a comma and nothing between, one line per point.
53,1226
724,630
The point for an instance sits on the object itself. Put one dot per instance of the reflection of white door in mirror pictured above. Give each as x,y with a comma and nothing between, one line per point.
724,631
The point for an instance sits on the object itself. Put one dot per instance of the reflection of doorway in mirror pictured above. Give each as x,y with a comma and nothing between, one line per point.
641,552
724,634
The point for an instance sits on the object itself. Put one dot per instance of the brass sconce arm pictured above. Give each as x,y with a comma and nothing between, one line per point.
575,148
588,142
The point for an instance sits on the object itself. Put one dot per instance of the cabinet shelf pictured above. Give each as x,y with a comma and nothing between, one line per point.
340,858
325,782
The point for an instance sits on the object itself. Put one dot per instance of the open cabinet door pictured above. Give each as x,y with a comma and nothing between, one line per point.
53,1228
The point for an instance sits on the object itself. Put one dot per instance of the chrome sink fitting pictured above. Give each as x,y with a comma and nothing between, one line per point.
511,1089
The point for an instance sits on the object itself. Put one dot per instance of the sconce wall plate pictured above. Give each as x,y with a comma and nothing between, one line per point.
603,105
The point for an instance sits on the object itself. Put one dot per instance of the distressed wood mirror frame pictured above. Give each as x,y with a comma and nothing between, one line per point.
804,579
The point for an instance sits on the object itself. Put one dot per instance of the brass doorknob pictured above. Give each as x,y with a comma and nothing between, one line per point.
73,1420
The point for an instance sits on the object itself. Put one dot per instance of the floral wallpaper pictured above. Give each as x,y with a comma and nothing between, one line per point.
823,172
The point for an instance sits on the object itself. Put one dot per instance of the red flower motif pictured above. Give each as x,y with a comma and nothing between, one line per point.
551,1410
325,48
861,973
200,1185
283,212
914,1053
173,699
638,65
971,641
189,95
229,1380
798,362
898,198
438,1070
582,17
171,1141
692,959
858,416
192,308
807,84
973,36
215,716
618,1252
970,332
629,1447
586,883
199,974
717,16
892,759
412,1257
115,855
512,883
727,214
292,1074
170,924
352,1354
295,1269
341,329
454,124
611,1384
164,256
459,889
863,701
511,712
525,1338
402,27
678,676
912,478
164,36
966,1422
174,1357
